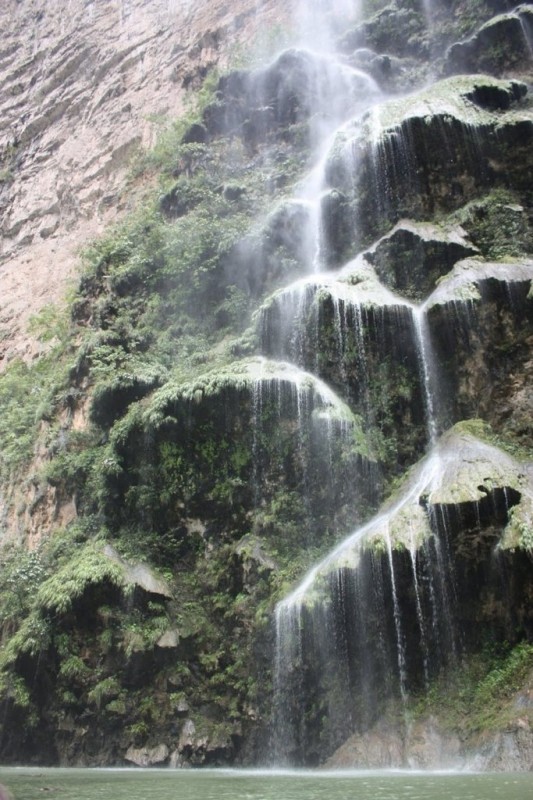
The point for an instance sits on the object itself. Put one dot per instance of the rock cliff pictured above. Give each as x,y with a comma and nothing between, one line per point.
265,478
83,88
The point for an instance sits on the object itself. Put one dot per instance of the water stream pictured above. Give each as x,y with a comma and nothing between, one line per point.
348,639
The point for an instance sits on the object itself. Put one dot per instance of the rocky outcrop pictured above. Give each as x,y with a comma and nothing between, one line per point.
505,41
480,319
269,102
427,746
419,157
377,33
413,256
147,756
463,479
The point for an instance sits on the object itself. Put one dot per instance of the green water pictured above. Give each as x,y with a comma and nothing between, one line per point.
138,784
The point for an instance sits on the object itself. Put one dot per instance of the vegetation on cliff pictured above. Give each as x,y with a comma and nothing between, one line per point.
173,483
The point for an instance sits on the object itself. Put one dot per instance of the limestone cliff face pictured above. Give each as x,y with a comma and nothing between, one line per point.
82,85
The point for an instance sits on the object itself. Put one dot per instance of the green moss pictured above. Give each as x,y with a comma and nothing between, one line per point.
90,566
480,696
497,224
28,395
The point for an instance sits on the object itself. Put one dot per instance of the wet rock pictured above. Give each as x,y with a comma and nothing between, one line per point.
413,256
193,749
255,562
416,157
498,226
395,30
508,751
187,736
500,44
461,481
424,746
472,280
337,221
147,756
367,338
388,71
270,102
176,760
480,319
495,97
280,250
196,134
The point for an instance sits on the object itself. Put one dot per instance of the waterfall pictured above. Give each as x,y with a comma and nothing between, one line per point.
349,640
427,370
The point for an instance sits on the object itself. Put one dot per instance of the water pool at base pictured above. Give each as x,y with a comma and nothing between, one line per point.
159,784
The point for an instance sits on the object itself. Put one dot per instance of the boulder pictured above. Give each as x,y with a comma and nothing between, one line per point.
147,756
431,152
413,256
501,43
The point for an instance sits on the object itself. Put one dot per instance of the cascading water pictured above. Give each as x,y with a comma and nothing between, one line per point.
350,640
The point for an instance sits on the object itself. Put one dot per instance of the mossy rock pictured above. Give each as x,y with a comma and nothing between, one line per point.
498,224
463,483
359,337
479,318
219,448
472,280
413,256
273,102
429,153
500,44
395,30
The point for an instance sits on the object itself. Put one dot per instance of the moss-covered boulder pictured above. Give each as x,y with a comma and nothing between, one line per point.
429,153
500,44
480,318
225,445
413,256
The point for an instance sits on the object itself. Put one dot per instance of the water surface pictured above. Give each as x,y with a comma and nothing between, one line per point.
159,784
